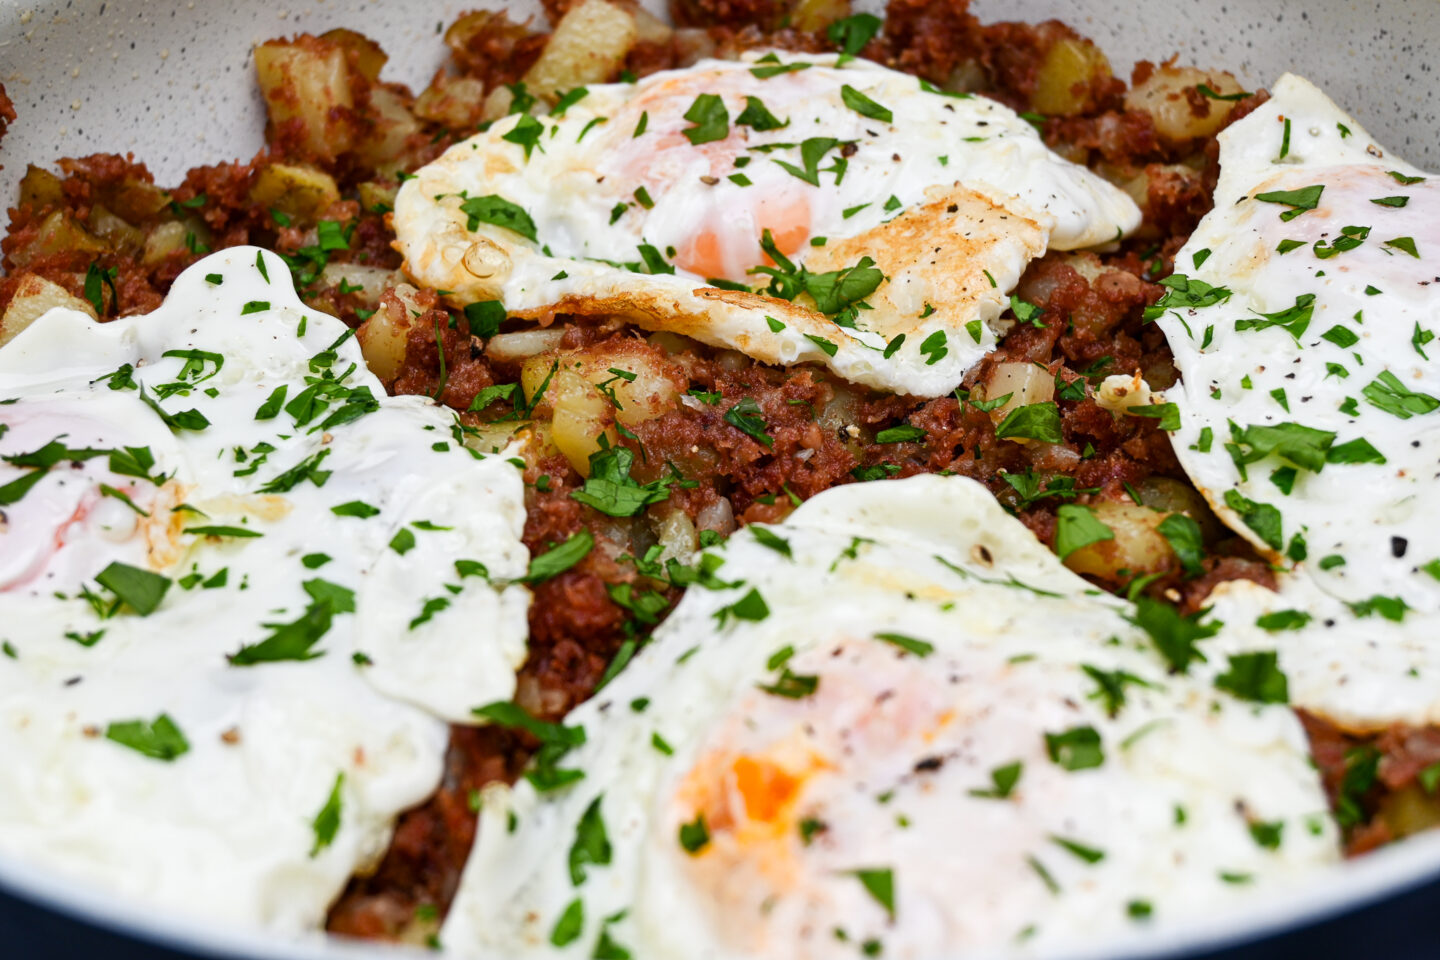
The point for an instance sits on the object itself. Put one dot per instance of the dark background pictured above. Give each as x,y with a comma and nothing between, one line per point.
1406,927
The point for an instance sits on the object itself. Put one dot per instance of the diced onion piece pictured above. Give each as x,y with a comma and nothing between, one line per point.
522,344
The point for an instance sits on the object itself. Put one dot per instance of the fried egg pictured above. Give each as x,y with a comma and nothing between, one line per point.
244,591
899,217
1302,329
893,726
1310,385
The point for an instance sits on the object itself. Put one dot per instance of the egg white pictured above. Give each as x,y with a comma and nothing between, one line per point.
225,830
885,753
1352,531
952,197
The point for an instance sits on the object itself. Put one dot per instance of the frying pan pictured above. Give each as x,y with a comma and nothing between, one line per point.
172,81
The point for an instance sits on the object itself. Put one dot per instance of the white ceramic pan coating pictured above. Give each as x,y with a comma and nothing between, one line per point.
173,82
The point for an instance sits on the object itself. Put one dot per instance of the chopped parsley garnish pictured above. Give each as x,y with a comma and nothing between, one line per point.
1389,394
327,822
933,347
555,741
1293,320
1175,636
1182,293
558,559
355,508
710,118
904,433
747,417
750,607
289,641
852,33
1283,620
591,844
140,590
768,538
864,106
1080,850
569,926
1183,535
1404,245
497,211
610,488
1262,518
921,648
812,151
1299,201
1003,780
159,739
221,530
1033,421
1078,748
1110,687
1255,676
757,117
694,836
880,884
1077,526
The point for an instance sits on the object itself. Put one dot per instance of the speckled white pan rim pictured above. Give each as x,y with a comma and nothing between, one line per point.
171,81
1349,886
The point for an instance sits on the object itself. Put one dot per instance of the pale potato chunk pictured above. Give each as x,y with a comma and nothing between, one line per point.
35,297
1065,82
311,81
1178,115
1139,547
588,46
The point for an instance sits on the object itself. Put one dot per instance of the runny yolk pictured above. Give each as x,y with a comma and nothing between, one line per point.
767,789
712,250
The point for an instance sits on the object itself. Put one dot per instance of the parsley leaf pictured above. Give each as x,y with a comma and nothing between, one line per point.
1077,526
559,559
864,106
1255,676
159,739
327,822
747,417
1032,421
610,489
711,119
499,212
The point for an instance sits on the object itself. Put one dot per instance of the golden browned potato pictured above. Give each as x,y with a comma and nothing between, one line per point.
588,46
367,56
1067,77
1169,96
455,102
581,415
382,337
1138,548
35,297
58,232
120,236
812,15
39,187
654,389
392,124
164,240
301,192
309,80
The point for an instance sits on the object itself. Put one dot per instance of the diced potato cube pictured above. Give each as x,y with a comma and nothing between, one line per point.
812,15
588,46
1138,548
35,297
302,193
310,81
456,102
1179,115
368,58
58,233
1066,78
39,187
